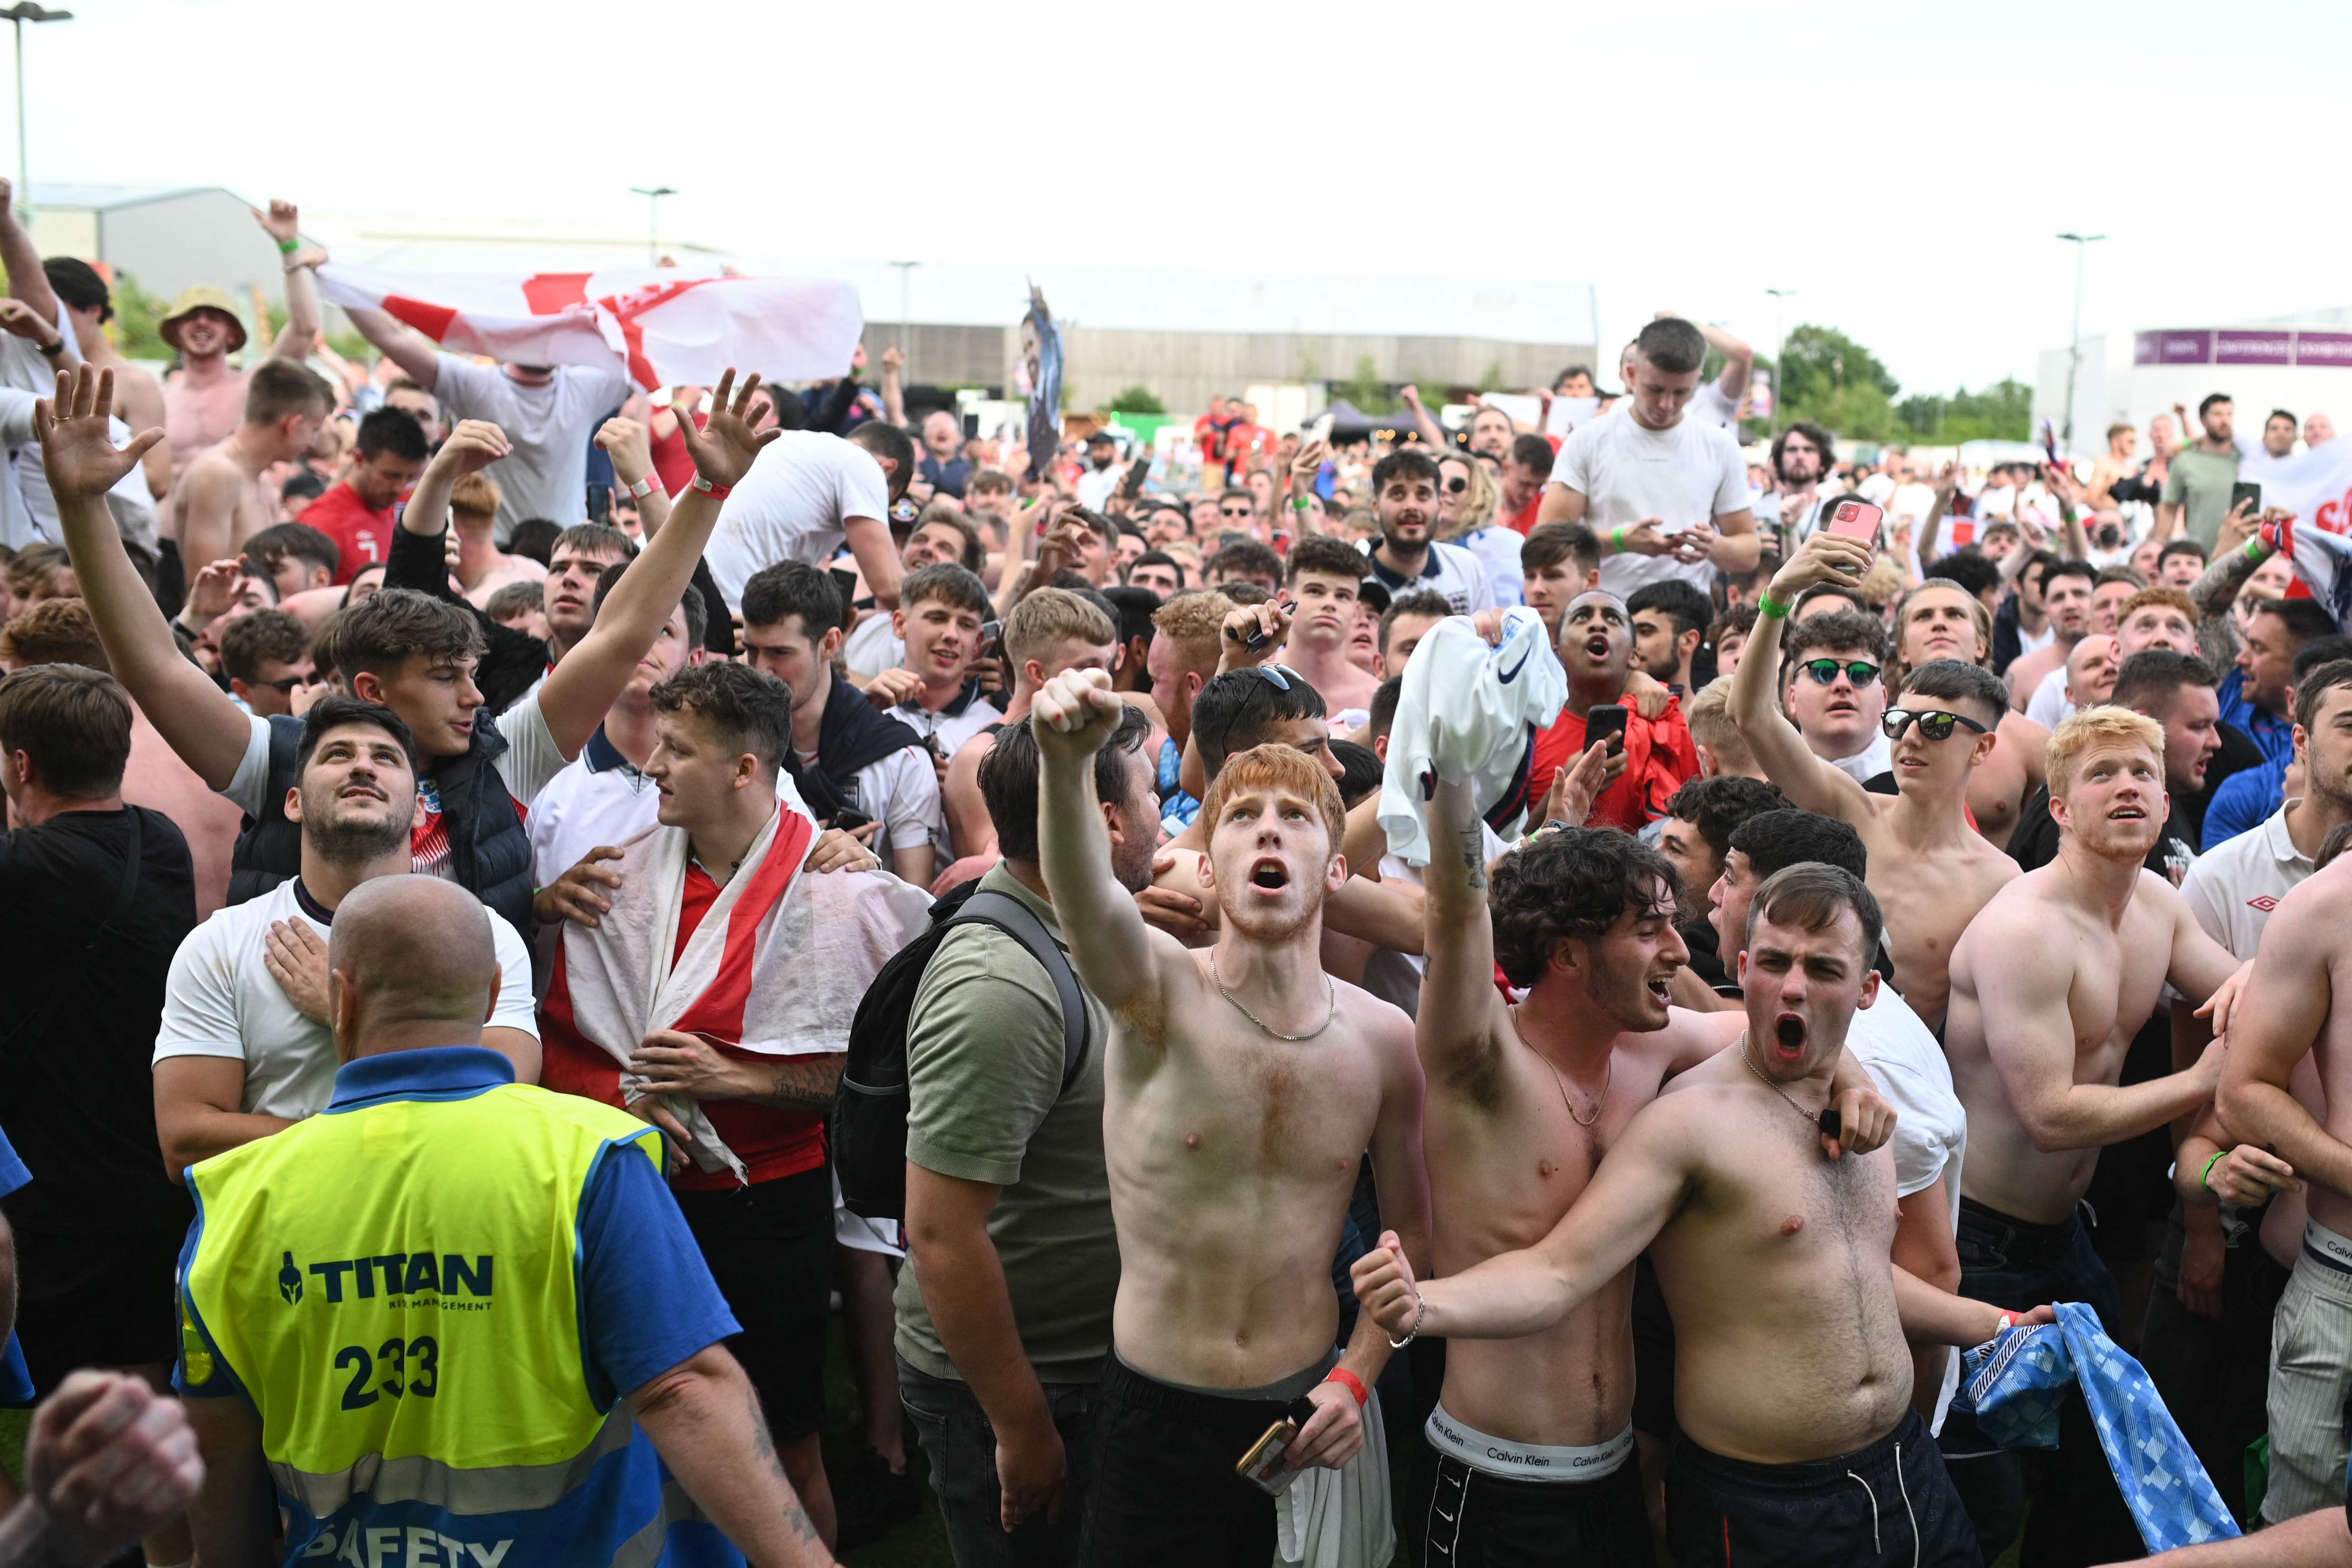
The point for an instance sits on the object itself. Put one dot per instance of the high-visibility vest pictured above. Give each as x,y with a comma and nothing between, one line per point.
394,1283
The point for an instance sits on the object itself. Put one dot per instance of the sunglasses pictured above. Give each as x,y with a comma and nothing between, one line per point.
1279,675
1230,511
1862,672
1455,486
1934,726
286,685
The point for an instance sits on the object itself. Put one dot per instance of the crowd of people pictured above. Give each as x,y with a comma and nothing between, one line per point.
534,898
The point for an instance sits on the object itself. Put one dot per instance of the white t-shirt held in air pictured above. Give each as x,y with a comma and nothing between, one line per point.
546,475
220,1000
794,505
1689,473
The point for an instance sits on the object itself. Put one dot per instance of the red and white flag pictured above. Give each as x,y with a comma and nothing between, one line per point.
672,327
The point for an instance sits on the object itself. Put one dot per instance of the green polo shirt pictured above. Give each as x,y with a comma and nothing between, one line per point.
2199,481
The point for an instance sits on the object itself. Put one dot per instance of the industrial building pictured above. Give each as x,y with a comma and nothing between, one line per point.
2301,362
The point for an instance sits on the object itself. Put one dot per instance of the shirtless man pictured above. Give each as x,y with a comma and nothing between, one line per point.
203,401
1533,1434
1930,871
220,501
1238,1105
2296,1007
138,400
1793,1376
2048,986
1940,619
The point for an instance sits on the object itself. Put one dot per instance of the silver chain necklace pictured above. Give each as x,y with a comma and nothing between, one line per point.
1811,1117
1606,1078
1329,990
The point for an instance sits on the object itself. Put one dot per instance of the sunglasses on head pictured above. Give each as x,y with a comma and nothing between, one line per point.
1279,675
1862,672
1933,725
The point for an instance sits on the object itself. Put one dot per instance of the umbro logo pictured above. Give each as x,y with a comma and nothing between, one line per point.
2265,903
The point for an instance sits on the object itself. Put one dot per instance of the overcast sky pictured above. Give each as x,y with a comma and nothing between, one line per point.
1901,167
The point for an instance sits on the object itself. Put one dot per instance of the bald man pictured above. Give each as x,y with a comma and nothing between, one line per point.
2086,679
436,1167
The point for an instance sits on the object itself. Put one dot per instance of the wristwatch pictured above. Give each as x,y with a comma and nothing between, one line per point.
52,350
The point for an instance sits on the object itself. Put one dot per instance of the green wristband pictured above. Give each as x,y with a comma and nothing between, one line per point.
1771,608
2254,548
1617,540
288,246
1298,503
2205,1176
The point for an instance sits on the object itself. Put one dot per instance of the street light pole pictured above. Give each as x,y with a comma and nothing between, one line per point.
1779,355
906,333
2082,244
653,196
20,14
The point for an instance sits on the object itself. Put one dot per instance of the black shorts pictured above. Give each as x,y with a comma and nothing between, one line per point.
1477,1519
1164,1486
97,1298
770,1248
1891,1503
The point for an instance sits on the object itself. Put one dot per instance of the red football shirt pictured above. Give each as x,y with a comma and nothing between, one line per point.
362,533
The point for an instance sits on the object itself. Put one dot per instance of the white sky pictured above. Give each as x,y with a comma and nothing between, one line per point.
1902,166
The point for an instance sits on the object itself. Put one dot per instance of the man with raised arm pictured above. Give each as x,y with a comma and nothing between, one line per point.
1929,870
2049,985
2295,1006
1239,1104
1792,1377
1941,619
1533,1436
413,654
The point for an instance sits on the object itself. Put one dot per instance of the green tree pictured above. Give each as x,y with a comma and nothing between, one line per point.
1136,400
1818,363
136,311
2004,411
1366,390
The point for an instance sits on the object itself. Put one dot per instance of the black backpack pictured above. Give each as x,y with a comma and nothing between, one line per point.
868,1122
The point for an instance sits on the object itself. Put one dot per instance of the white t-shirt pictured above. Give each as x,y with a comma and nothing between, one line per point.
1497,550
531,758
2048,706
2233,888
901,791
1689,473
1096,485
1867,763
794,505
550,427
1711,406
1448,569
1931,1129
221,1000
872,647
1877,489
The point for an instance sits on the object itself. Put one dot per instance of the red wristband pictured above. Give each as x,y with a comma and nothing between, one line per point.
716,492
1351,1382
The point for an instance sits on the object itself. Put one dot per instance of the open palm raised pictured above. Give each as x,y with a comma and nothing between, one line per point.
726,445
78,449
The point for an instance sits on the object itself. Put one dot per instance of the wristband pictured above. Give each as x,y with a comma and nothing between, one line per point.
643,487
2205,1176
1617,540
1420,1310
2007,1321
288,246
1771,608
2254,548
1298,503
716,492
1351,1382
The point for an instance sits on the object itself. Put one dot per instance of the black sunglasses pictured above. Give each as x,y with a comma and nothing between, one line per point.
1455,486
1228,512
286,685
1862,672
1933,725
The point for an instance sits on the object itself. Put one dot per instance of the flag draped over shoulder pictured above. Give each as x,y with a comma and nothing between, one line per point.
672,326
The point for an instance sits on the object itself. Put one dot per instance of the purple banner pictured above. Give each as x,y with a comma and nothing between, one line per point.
2323,348
2255,346
2176,348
